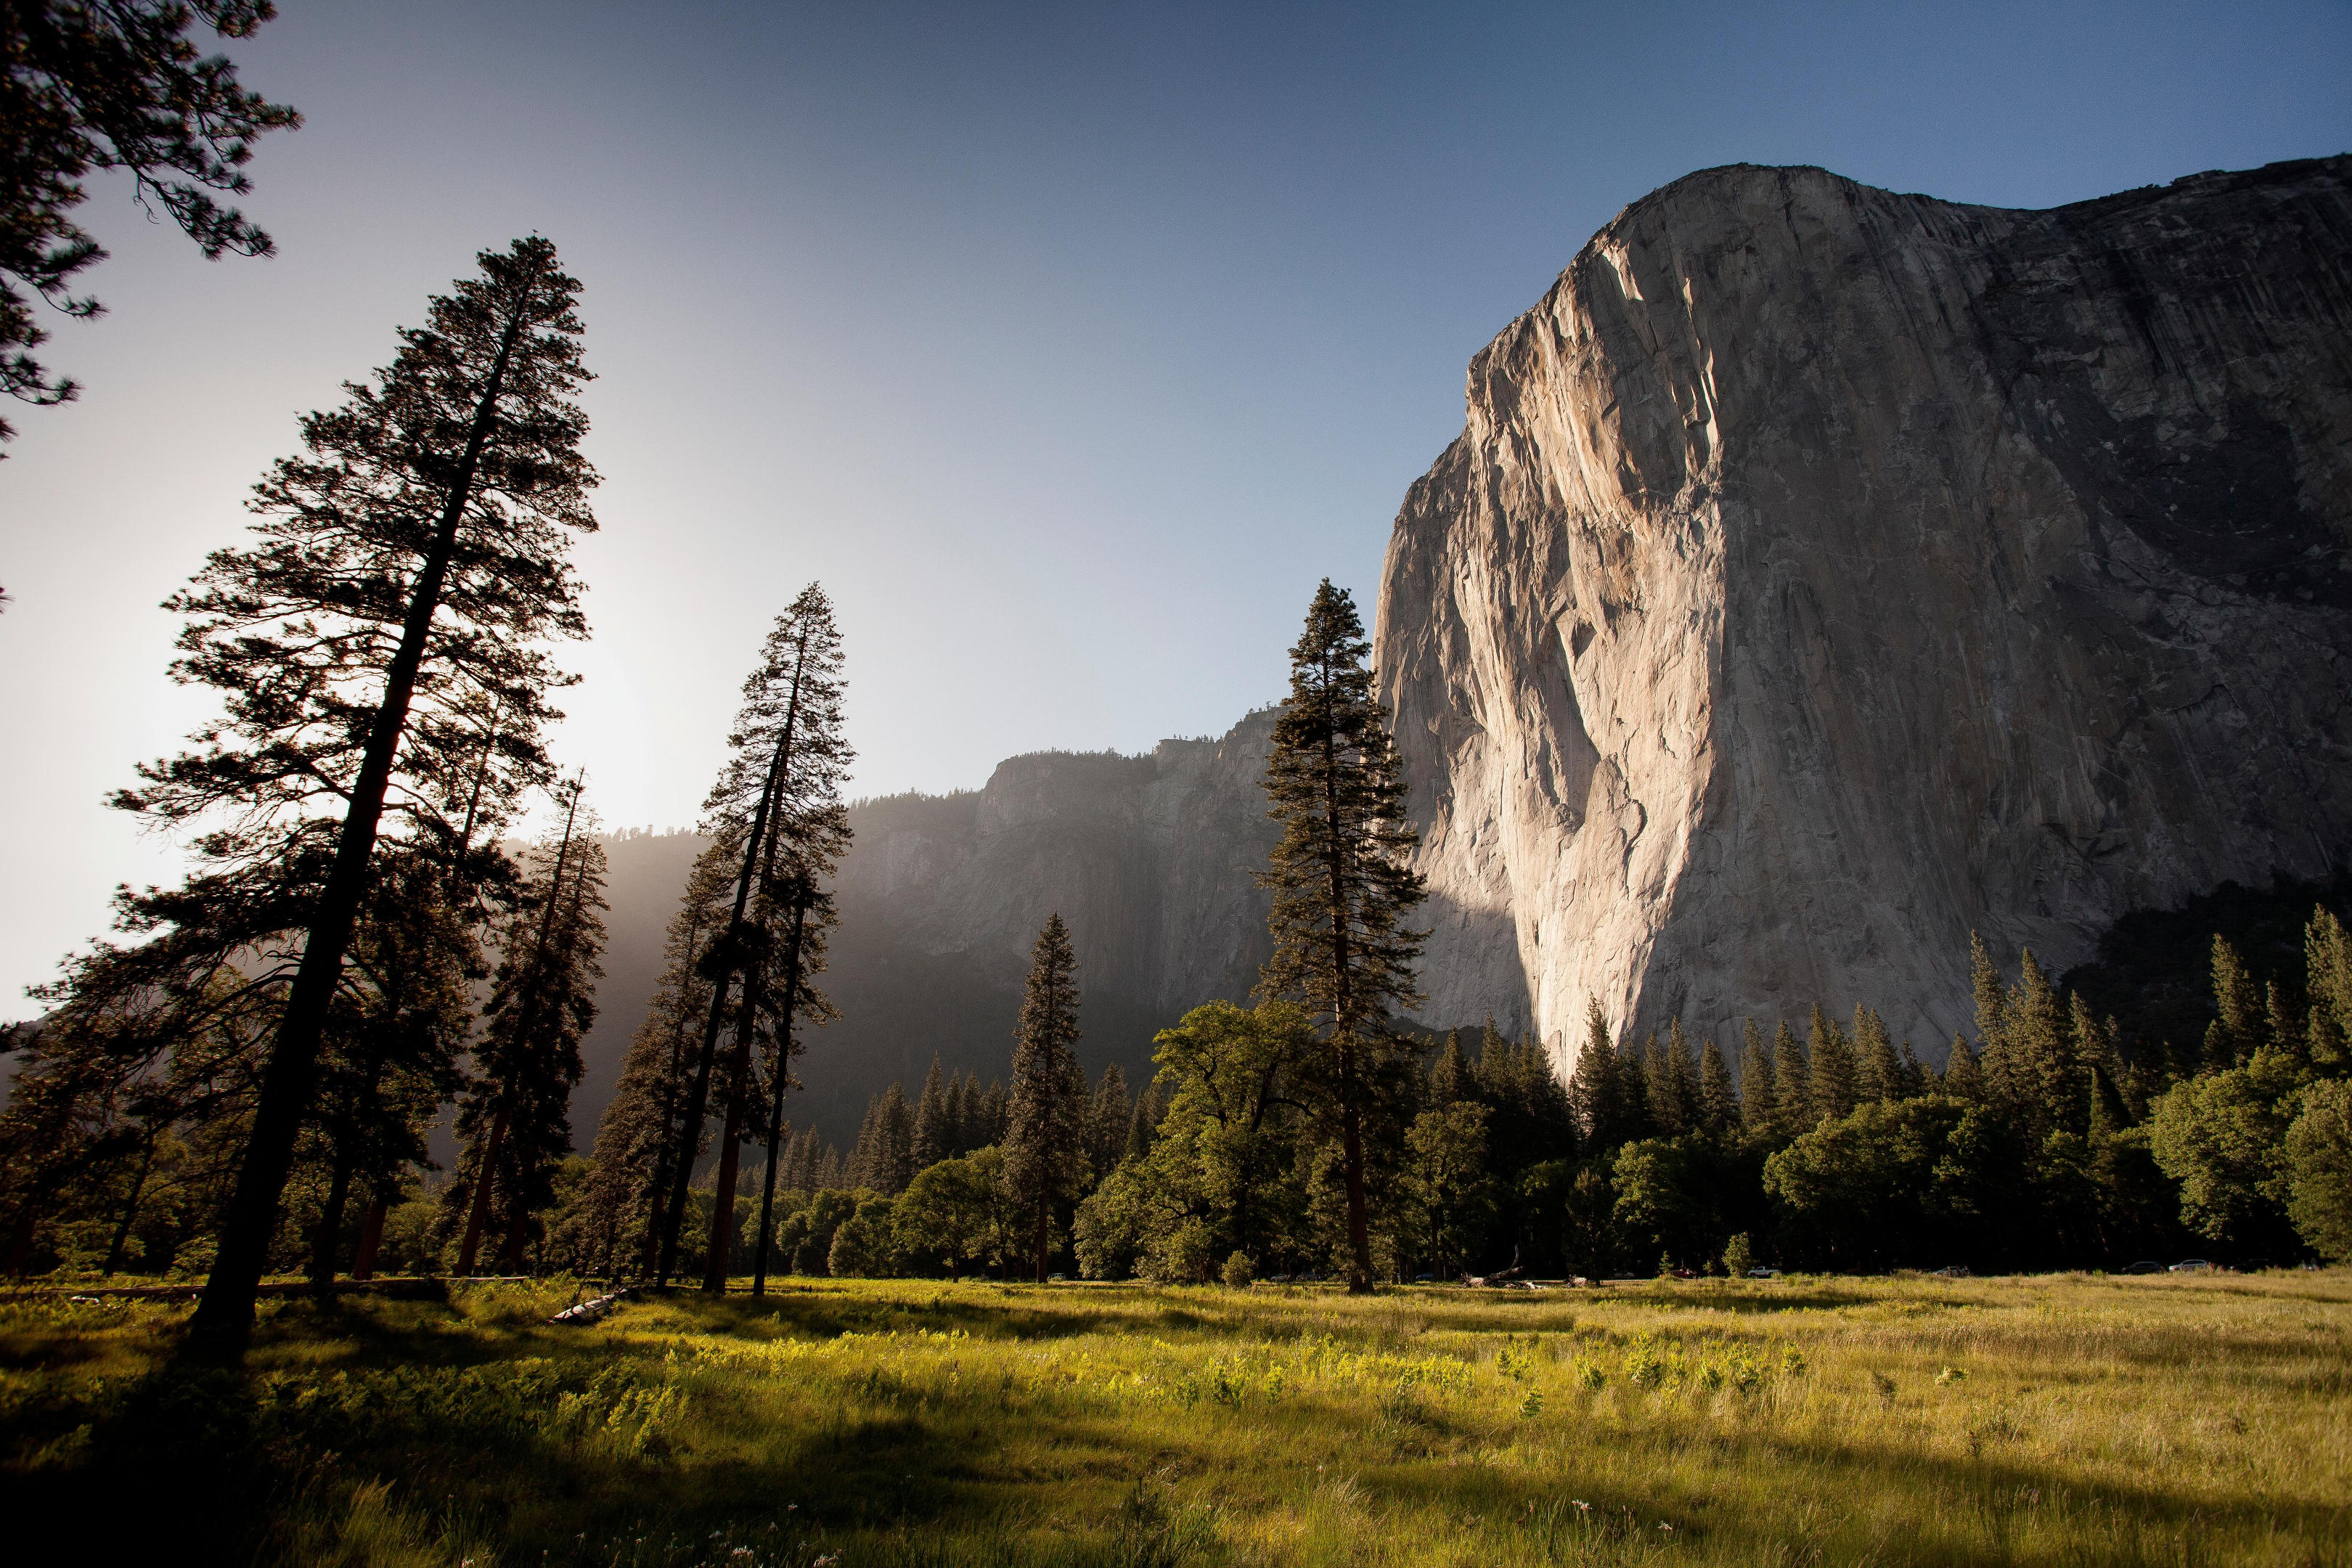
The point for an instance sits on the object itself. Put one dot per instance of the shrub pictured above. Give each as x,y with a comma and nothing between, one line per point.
1238,1271
1738,1257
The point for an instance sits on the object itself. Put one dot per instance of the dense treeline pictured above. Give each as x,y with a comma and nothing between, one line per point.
2040,1144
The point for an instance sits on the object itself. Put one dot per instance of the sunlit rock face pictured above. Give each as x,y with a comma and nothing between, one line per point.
1823,572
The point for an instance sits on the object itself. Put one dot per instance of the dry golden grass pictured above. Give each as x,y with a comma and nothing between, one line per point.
2064,1419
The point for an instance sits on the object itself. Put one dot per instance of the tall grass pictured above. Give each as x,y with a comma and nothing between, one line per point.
2050,1420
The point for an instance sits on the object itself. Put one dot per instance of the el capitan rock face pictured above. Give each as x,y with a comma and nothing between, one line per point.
1823,573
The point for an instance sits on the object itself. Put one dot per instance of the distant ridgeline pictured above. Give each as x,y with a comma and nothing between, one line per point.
1151,859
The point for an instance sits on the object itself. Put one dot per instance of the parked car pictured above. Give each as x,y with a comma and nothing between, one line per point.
1763,1274
2191,1266
2144,1268
1954,1272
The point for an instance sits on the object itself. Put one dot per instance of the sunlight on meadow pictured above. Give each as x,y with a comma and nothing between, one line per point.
2060,1419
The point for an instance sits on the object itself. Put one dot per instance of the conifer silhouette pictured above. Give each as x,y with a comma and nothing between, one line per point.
1341,887
1044,1136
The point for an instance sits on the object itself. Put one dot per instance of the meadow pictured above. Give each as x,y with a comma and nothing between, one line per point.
2049,1419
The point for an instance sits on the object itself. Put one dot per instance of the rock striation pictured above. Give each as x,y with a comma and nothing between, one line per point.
1823,573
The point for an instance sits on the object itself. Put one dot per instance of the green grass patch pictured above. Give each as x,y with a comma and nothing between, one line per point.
2050,1420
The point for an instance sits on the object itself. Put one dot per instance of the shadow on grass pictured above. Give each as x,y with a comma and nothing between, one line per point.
197,1466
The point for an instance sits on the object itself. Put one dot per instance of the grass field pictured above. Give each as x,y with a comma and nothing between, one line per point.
2064,1419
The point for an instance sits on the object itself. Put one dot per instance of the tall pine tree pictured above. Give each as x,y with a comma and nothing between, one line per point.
1341,886
408,565
1044,1140
778,797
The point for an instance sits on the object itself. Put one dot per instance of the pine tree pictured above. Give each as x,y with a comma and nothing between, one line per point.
883,1160
115,84
1449,1077
1043,1142
1592,1089
635,1137
2046,1087
781,988
935,1137
1759,1094
1793,1075
1718,1102
1963,1076
1997,1057
1107,1122
1835,1089
408,565
1341,887
778,797
2238,1000
1916,1079
1878,1071
515,1114
992,1116
1636,1116
1674,1084
2327,967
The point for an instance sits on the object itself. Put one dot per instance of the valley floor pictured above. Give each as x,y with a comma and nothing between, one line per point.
2060,1419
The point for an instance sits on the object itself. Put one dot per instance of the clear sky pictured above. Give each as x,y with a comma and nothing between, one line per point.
1067,346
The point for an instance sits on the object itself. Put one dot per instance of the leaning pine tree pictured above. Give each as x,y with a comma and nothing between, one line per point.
516,1114
778,800
1341,887
1044,1139
409,564
630,1166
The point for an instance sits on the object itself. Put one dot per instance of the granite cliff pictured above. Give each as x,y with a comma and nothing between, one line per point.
1823,573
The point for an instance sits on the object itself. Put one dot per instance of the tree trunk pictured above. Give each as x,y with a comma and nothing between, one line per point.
477,1204
1343,1023
370,1240
697,1100
1045,1232
783,1075
722,1205
323,1241
224,1317
518,1239
20,1246
130,1212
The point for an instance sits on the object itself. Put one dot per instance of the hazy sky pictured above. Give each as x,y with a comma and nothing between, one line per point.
1067,346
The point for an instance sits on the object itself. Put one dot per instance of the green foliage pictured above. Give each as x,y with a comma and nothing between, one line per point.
1046,1132
1445,1174
115,86
2318,1149
2218,1136
1341,885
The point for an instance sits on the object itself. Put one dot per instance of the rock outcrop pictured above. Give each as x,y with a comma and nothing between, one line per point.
1824,573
